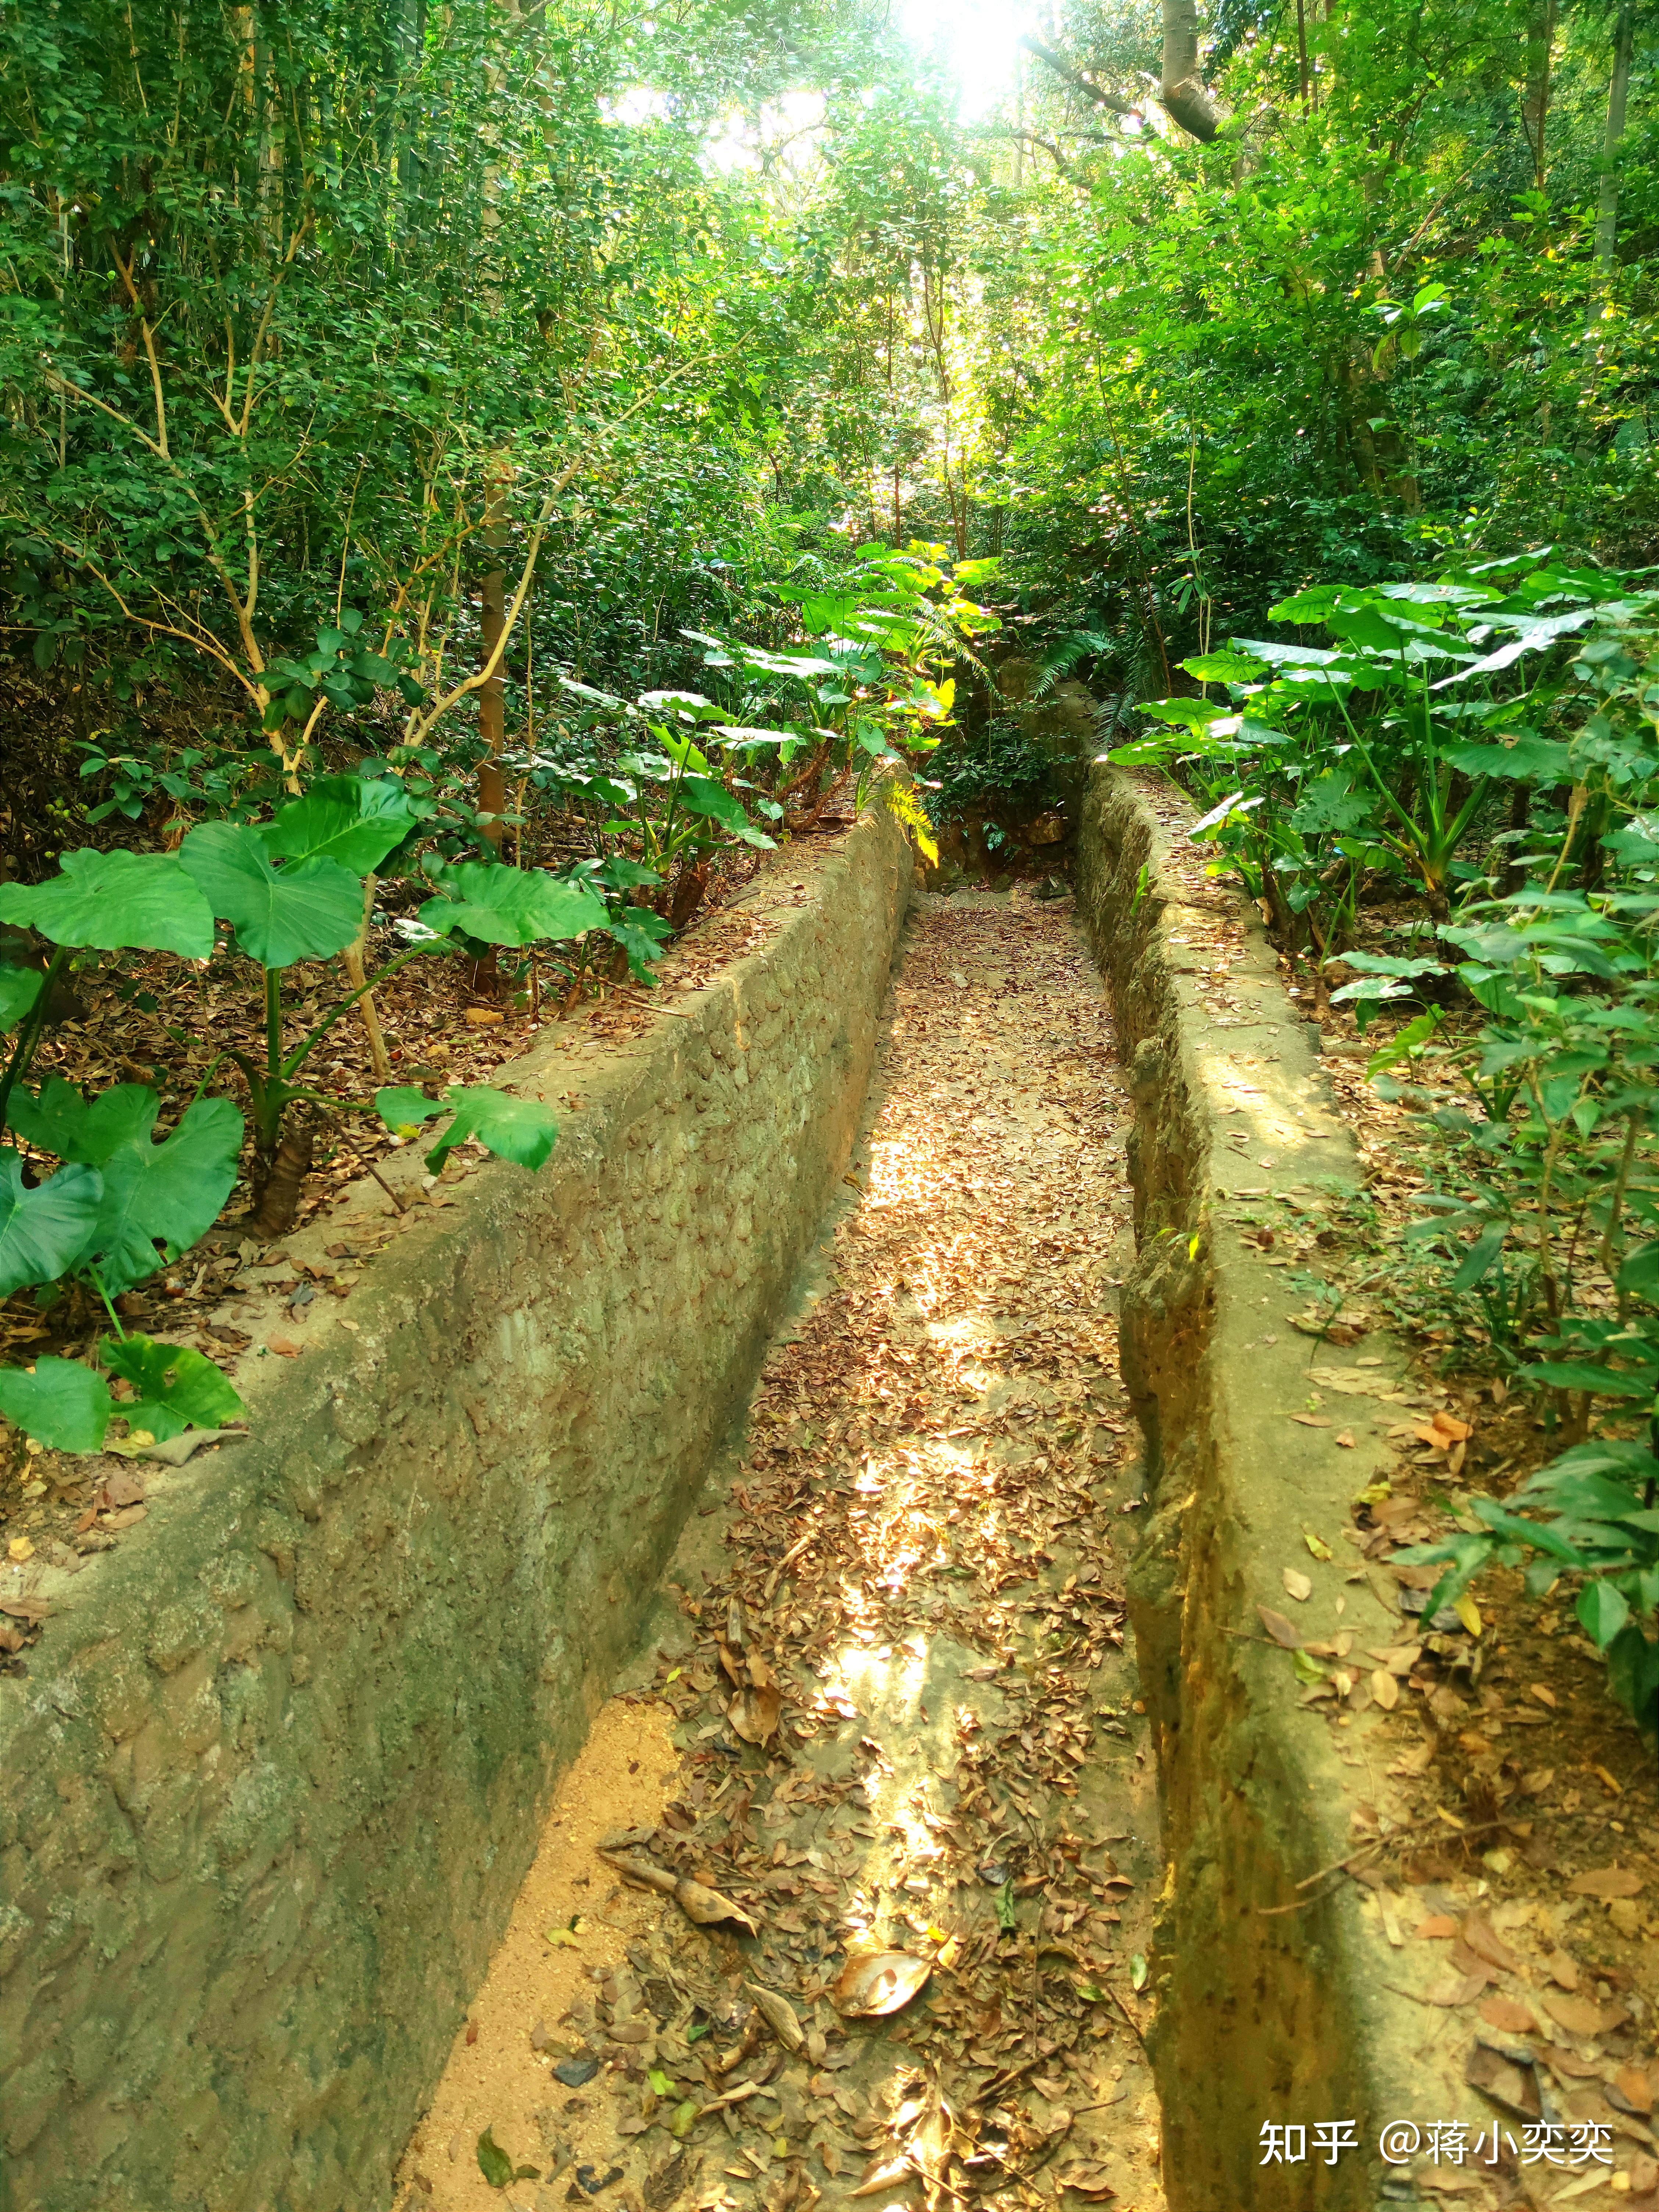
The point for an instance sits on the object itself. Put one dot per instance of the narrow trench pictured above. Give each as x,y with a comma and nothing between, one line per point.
920,1536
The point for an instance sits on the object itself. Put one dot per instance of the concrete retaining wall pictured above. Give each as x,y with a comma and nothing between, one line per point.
1272,2008
277,1771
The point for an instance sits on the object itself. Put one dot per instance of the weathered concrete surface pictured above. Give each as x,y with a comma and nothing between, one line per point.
1272,2002
277,1770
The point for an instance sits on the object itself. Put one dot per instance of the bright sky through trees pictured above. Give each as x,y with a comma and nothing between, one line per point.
977,41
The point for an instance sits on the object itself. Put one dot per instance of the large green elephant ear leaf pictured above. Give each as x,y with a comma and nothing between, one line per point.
353,819
518,1129
700,794
112,900
58,1402
59,1119
45,1232
501,905
177,1388
311,910
167,1195
403,1107
19,989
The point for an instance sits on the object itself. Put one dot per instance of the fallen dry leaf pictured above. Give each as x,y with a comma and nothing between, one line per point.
1486,1943
1087,2180
1454,1989
1505,2081
754,1714
884,2171
1278,1628
1297,1584
1579,2016
1635,2087
1562,1969
1507,2014
779,2014
880,1983
1606,1883
708,1907
1385,1689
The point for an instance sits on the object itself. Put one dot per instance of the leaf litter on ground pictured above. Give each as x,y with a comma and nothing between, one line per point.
914,1553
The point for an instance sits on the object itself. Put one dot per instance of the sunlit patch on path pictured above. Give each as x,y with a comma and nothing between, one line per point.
909,1590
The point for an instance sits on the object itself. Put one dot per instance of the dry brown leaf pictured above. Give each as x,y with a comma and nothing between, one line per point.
1297,1584
1086,2180
1454,1989
1385,1688
1635,2087
1437,1925
883,2171
1486,1943
779,2014
880,1983
1606,1883
1579,2015
754,1714
1507,2014
708,1907
1278,1628
1506,2082
1563,1969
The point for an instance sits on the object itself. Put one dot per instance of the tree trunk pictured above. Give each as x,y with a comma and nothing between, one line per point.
1182,89
1606,213
1535,105
492,695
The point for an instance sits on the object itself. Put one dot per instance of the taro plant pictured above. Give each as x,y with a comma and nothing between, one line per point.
119,1203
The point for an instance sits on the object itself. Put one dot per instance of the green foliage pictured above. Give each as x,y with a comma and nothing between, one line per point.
520,1130
58,1402
306,910
44,1230
510,906
165,1194
19,989
110,900
1597,1517
175,1388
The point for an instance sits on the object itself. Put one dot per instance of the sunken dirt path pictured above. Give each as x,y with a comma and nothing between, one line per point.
917,1543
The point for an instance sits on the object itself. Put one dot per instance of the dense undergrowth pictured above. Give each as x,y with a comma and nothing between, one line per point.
464,472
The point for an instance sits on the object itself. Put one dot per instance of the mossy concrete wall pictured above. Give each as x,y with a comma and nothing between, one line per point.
271,1783
1272,2002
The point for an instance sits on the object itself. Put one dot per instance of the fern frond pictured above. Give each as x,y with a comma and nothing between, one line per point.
1057,664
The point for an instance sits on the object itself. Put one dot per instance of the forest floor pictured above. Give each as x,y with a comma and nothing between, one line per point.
885,1710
